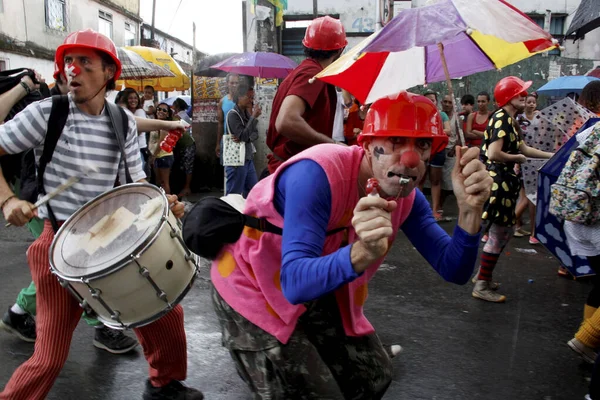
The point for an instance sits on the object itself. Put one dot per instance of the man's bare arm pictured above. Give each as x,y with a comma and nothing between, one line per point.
290,123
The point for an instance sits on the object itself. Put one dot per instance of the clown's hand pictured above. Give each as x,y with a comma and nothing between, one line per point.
470,180
372,222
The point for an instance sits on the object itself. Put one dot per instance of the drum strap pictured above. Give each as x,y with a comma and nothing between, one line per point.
120,125
56,124
263,225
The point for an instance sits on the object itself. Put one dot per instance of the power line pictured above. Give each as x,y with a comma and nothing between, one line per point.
175,15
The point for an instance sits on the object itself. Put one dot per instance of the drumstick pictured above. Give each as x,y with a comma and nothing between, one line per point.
70,182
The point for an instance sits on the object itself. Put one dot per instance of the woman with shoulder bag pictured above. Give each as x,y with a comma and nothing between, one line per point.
242,126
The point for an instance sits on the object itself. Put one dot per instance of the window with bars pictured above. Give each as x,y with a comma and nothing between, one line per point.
557,28
105,23
56,14
129,34
557,24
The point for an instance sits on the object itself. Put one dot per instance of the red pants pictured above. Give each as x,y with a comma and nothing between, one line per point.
58,313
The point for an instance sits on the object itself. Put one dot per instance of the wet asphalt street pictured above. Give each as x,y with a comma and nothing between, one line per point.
454,347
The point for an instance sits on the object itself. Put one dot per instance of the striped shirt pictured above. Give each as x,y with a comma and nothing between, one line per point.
86,141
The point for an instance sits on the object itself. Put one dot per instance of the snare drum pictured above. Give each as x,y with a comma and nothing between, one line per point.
122,255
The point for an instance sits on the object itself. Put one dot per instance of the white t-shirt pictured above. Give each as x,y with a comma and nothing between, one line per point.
142,142
338,121
146,107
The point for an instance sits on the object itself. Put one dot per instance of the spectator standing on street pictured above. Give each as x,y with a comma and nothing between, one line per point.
467,102
477,122
243,126
303,113
225,105
344,101
133,104
525,119
185,150
163,160
435,167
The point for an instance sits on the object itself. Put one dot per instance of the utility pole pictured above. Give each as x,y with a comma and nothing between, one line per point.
193,61
378,24
153,16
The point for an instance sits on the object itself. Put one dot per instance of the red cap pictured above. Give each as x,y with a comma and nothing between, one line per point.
91,40
508,88
325,33
405,115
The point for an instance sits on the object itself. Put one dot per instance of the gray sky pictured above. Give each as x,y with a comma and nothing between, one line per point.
218,22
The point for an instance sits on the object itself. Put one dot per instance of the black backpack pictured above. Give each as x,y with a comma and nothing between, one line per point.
31,175
11,163
212,223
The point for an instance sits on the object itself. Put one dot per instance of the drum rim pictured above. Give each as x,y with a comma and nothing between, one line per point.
162,313
127,259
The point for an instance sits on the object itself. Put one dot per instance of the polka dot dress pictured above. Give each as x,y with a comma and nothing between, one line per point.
500,208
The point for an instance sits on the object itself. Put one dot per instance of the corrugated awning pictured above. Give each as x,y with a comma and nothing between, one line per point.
587,18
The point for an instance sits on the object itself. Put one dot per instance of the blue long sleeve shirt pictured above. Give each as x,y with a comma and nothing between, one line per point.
306,206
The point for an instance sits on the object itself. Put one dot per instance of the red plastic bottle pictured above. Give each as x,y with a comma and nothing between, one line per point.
170,141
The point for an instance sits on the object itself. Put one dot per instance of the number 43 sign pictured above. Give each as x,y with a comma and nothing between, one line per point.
364,25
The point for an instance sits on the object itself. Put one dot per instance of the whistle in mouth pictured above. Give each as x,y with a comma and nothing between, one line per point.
372,187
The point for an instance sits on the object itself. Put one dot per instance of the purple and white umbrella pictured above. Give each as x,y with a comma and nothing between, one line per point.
258,64
449,39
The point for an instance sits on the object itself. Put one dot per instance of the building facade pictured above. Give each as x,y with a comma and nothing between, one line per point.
181,51
31,30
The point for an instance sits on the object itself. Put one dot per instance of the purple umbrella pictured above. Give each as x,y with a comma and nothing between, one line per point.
259,64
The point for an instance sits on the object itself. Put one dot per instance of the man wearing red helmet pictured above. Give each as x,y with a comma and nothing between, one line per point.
90,65
502,148
303,113
290,304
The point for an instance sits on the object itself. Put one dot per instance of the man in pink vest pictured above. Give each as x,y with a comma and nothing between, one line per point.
291,305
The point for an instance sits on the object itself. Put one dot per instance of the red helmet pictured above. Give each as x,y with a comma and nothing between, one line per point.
325,33
91,40
57,71
405,115
508,88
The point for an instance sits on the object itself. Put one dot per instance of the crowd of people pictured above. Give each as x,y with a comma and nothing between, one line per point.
342,179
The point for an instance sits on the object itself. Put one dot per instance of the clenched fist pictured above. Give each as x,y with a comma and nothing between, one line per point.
18,212
372,222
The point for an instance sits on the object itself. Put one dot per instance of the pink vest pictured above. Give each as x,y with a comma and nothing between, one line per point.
247,273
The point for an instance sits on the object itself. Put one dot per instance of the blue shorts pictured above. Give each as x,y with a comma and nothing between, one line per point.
438,160
165,162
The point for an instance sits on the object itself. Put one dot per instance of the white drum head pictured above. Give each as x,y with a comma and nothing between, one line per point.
107,230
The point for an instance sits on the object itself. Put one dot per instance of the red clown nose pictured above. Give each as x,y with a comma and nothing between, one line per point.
410,159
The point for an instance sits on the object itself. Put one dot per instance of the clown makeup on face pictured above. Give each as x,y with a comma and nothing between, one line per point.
394,157
86,74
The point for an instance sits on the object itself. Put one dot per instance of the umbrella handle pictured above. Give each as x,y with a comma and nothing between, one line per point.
450,90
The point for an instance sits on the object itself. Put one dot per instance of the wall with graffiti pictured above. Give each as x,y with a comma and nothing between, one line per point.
207,93
265,90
